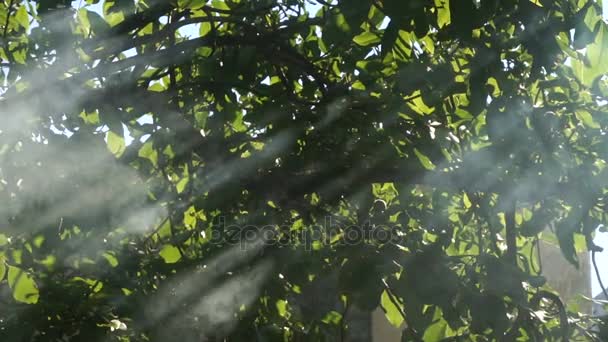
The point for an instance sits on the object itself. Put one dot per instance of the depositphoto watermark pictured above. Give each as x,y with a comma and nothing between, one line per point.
328,233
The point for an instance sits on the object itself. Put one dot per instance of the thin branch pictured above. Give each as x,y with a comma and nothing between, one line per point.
324,3
254,11
343,321
157,229
172,77
511,234
597,274
396,303
563,315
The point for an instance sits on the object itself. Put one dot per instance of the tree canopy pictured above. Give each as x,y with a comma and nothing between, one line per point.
193,169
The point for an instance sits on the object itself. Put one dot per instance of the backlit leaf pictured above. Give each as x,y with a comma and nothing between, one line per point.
170,254
424,160
23,285
391,312
366,38
116,143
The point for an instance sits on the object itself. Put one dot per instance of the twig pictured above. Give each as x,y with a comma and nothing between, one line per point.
343,321
325,3
511,234
207,8
597,274
395,302
157,229
563,316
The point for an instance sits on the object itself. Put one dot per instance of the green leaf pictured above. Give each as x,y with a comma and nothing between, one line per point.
157,87
23,285
392,313
191,4
170,254
282,307
332,317
417,104
501,103
110,258
586,118
436,332
147,151
190,217
463,114
90,118
220,5
366,38
205,28
443,12
116,143
22,17
466,201
341,23
580,243
181,185
112,17
597,55
564,231
94,284
424,160
2,268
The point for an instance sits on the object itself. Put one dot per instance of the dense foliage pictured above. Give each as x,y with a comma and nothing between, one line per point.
194,170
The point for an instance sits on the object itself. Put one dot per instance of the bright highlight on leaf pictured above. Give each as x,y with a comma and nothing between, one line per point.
23,285
424,160
366,38
116,143
170,254
392,312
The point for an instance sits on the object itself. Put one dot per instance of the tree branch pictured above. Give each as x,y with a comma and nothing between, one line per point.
511,234
597,274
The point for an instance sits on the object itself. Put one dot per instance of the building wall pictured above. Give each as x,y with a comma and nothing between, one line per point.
566,279
382,329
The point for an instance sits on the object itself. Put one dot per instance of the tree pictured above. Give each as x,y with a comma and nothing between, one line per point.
190,169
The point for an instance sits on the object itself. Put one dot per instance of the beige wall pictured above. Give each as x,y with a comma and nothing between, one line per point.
382,329
566,279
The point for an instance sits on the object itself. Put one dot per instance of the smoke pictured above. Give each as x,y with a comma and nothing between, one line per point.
53,167
56,174
205,301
